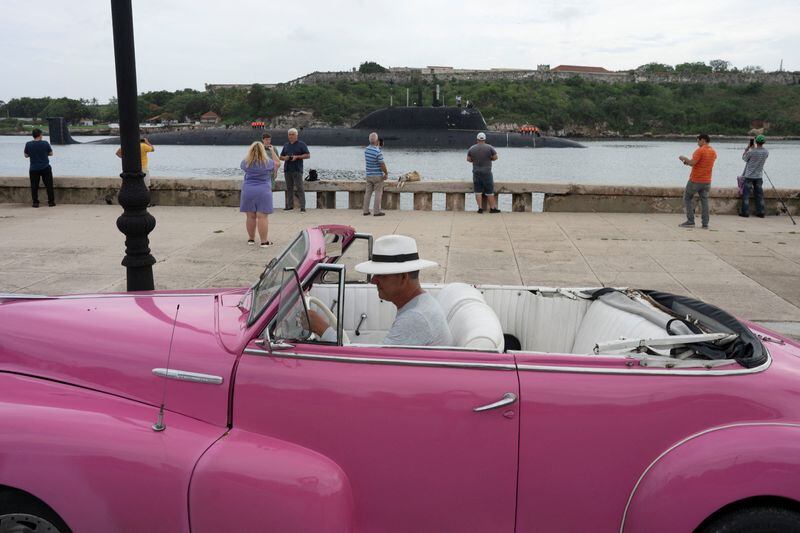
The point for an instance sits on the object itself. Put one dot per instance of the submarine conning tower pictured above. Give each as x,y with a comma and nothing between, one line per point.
59,132
423,118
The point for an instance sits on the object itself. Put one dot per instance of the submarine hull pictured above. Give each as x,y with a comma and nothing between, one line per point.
400,138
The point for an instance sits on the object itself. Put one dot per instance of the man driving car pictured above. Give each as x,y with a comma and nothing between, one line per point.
395,267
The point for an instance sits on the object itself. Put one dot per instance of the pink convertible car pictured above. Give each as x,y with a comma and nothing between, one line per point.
555,410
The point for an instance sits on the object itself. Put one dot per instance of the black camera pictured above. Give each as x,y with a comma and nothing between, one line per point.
752,142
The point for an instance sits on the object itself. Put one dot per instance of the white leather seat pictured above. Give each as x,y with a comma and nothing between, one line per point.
472,322
603,322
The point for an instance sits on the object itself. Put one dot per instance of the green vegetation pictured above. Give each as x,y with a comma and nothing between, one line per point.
370,67
575,105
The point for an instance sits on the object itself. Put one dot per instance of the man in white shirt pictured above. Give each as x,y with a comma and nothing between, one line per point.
395,267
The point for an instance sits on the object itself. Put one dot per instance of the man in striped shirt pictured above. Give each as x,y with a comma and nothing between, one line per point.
702,163
376,175
754,158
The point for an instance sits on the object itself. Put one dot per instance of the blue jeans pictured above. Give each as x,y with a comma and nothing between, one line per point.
758,190
701,189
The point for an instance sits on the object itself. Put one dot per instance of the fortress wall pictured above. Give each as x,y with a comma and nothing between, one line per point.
412,76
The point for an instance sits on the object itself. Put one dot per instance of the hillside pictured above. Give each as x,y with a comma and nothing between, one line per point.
572,107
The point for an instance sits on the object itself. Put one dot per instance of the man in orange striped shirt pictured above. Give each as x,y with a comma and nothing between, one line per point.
702,163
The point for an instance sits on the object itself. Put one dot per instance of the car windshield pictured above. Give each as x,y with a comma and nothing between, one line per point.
272,277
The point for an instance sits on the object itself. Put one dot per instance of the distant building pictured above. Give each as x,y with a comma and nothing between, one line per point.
209,118
86,122
432,69
580,69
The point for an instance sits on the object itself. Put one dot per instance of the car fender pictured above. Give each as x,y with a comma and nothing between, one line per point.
95,459
252,482
709,470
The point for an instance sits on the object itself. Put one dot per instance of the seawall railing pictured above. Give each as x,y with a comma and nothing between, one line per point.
553,196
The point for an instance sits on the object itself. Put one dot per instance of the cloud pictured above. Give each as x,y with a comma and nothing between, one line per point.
53,48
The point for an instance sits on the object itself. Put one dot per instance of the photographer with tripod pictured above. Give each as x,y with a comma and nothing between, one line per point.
755,155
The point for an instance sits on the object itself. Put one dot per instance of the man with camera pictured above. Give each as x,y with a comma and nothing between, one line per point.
754,156
293,153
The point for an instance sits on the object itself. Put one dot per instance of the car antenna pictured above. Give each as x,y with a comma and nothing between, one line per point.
159,425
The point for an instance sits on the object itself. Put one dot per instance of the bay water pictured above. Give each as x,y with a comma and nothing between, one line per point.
602,162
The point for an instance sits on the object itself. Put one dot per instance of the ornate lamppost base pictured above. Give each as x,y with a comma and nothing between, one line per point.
136,223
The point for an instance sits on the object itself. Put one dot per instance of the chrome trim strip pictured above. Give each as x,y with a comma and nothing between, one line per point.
185,375
381,361
13,296
682,442
641,372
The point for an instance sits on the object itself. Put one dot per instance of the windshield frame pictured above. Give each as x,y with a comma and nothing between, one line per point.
275,268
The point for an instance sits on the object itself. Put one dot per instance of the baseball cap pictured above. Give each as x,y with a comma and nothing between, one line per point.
760,139
481,136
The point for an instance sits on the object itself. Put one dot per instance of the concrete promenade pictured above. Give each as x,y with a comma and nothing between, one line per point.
750,267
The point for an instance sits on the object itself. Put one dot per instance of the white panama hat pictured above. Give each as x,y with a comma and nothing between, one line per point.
394,254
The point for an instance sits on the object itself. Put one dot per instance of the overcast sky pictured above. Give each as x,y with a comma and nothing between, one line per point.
62,48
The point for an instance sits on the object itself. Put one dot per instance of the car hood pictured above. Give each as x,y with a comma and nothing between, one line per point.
116,343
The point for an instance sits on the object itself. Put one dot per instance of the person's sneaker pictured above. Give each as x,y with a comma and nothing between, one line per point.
380,214
51,205
366,214
705,226
266,244
743,215
480,210
251,242
686,224
302,209
762,215
493,210
35,205
288,208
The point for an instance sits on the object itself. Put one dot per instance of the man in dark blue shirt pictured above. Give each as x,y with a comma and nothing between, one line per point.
293,153
39,152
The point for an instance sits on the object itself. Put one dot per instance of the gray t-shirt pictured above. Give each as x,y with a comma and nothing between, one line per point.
481,154
421,322
755,159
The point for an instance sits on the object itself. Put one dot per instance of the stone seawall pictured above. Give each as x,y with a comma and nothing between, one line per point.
557,197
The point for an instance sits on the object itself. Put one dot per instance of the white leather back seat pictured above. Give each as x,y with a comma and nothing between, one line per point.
603,322
472,322
541,323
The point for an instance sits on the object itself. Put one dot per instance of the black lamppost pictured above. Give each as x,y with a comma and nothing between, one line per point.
135,222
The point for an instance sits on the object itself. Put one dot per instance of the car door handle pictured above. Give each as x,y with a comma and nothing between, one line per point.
508,398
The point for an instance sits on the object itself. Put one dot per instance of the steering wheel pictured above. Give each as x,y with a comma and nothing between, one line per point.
328,314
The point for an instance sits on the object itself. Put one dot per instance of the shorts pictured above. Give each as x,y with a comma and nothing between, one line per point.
482,182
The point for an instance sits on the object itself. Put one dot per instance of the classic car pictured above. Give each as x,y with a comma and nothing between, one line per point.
584,409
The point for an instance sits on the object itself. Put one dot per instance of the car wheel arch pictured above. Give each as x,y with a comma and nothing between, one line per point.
12,498
755,502
683,463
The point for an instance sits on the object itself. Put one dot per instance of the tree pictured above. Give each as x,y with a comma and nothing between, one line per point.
256,99
719,65
370,67
71,110
697,67
655,68
753,69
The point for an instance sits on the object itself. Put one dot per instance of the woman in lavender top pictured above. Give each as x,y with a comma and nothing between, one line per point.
256,199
